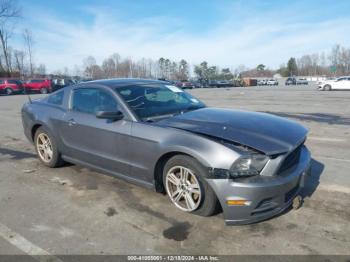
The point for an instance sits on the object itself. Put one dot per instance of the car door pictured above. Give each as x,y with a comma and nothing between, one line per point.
99,142
339,84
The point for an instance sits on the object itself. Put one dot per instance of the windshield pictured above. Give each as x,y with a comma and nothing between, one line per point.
150,102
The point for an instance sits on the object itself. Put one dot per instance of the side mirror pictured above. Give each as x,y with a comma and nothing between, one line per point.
112,115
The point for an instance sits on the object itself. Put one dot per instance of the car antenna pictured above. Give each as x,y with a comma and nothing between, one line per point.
29,98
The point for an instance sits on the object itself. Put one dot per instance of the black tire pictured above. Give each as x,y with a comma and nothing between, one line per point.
8,91
209,204
56,160
328,87
43,90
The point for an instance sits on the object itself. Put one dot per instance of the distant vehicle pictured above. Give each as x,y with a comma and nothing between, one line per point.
60,83
319,83
220,83
291,81
212,83
10,86
197,84
42,86
341,83
272,82
262,82
185,85
302,81
224,83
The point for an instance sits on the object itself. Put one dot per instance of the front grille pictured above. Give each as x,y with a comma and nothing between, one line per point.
291,160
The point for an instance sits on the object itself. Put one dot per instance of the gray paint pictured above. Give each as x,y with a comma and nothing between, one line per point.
130,149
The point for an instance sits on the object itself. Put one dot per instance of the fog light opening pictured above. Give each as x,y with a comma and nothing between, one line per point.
238,202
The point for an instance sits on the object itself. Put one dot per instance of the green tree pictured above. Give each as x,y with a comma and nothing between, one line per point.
283,71
213,73
161,65
226,74
202,70
260,67
167,68
183,70
292,66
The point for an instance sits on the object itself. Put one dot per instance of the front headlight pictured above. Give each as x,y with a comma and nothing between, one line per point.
249,165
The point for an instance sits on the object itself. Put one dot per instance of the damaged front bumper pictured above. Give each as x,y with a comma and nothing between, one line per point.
265,196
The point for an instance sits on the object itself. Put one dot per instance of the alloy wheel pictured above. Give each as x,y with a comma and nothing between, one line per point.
183,188
44,147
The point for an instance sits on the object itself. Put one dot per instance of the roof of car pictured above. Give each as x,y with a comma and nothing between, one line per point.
120,82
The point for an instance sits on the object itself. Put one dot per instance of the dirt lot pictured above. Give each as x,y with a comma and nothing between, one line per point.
73,210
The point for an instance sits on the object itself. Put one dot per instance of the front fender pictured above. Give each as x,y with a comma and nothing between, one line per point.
208,152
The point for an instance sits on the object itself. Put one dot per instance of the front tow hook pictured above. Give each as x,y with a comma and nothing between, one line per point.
297,202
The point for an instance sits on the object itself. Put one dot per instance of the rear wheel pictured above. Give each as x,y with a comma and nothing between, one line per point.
46,148
43,90
8,91
186,187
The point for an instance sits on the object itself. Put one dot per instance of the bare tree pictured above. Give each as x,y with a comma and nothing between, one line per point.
28,41
18,57
9,11
4,38
41,70
109,67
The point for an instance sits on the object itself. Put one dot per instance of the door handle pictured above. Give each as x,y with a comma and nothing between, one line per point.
71,122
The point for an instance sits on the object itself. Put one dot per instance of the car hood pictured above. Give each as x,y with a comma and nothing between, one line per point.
264,132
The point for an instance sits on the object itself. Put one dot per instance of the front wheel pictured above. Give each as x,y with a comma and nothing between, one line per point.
328,87
186,187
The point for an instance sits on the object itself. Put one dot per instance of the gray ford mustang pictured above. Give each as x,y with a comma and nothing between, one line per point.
252,165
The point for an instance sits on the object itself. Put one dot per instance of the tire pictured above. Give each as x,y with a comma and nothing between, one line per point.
43,90
328,87
206,202
53,159
8,91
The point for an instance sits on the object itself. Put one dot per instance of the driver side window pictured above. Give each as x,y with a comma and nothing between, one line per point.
92,100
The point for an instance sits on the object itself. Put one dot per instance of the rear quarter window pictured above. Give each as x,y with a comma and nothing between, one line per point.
56,98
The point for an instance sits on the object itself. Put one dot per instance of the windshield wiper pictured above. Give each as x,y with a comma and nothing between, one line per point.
153,118
156,117
192,107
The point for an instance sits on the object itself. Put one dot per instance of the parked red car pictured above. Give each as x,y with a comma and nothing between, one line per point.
10,86
185,85
43,86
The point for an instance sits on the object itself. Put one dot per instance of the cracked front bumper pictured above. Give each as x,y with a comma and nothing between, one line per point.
267,195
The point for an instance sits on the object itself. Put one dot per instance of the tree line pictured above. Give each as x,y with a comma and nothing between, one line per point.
116,66
164,68
21,62
334,63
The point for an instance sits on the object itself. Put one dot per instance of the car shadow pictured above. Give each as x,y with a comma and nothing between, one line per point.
330,119
15,154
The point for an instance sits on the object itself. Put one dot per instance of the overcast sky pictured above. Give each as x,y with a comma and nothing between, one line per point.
225,33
